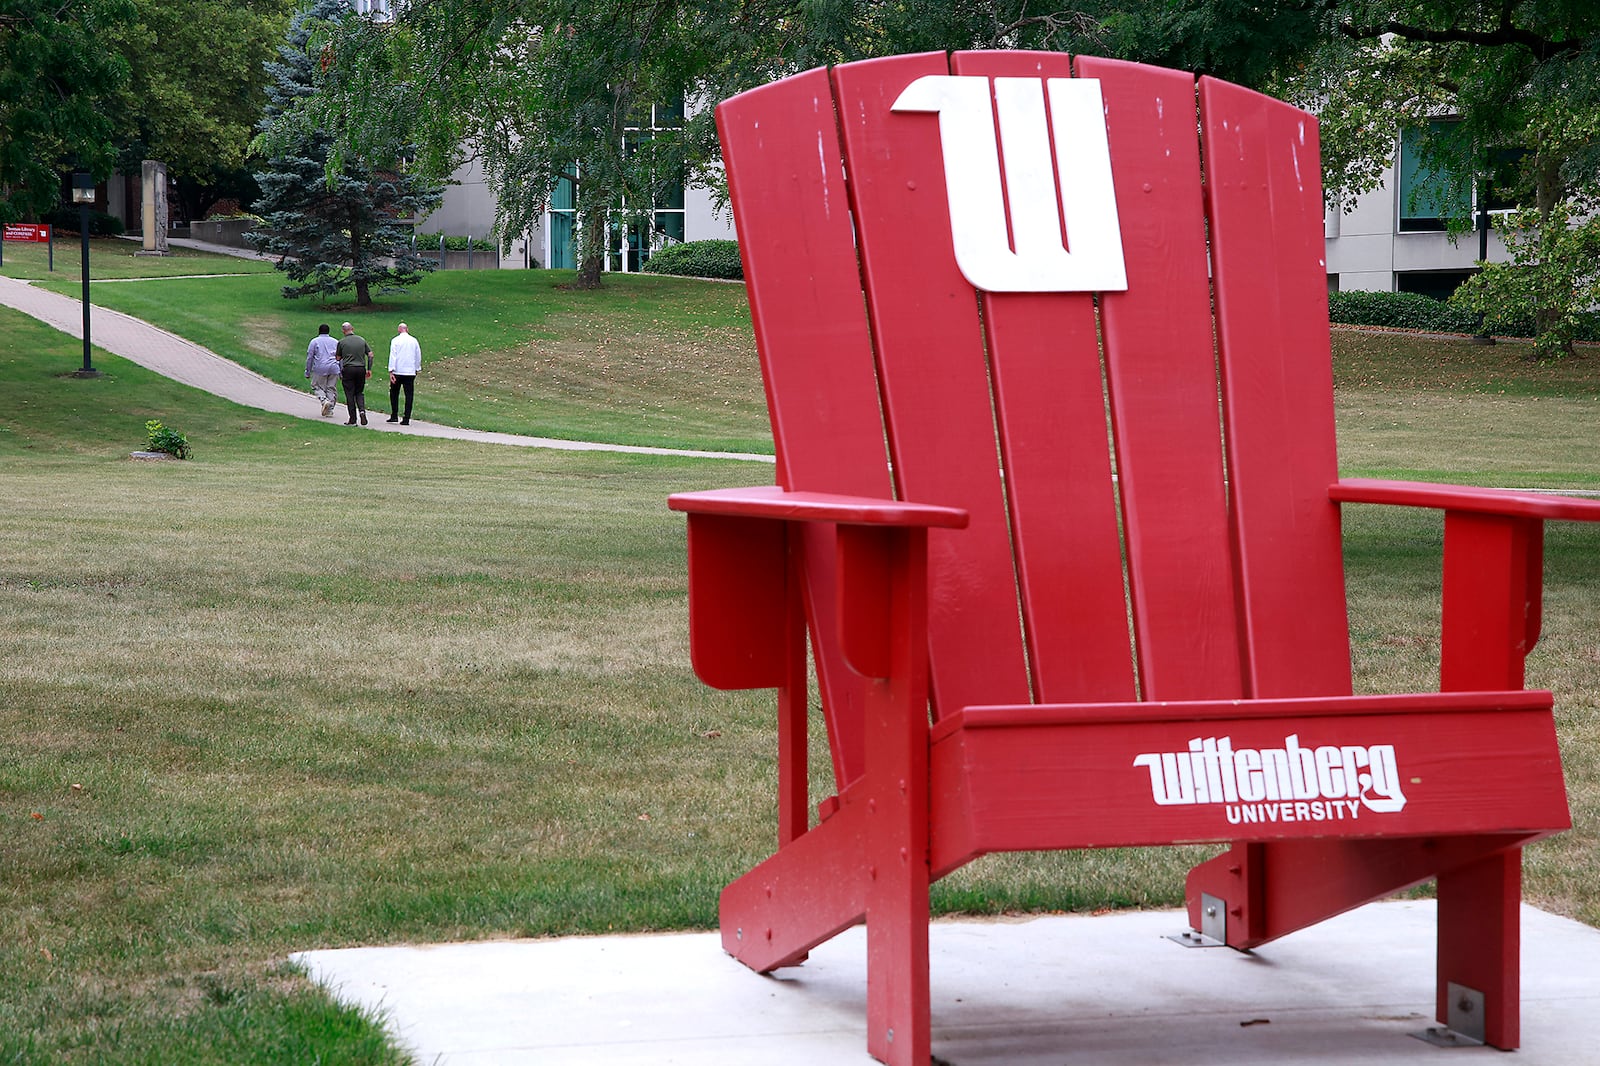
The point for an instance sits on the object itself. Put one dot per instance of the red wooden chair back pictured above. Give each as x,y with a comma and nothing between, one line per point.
1192,551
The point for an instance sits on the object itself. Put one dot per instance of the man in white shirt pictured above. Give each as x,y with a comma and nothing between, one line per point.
405,359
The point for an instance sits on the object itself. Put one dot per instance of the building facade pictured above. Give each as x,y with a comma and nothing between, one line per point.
1394,239
684,212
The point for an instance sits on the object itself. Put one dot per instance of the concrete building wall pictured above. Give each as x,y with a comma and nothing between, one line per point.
1366,250
468,211
702,221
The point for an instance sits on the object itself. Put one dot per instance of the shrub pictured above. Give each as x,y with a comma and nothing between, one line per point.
162,439
1399,310
429,242
100,223
1550,287
698,259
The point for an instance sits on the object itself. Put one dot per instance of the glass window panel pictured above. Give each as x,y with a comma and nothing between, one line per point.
1428,195
669,116
633,248
563,249
563,197
670,223
670,198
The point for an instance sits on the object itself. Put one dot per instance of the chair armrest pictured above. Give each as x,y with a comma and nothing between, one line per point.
743,599
1511,503
1492,609
774,502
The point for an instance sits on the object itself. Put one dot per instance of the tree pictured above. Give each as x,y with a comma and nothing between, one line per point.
539,91
546,90
55,78
1553,279
196,90
1519,78
333,229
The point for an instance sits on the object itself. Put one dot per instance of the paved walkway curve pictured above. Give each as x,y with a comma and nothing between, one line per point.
184,361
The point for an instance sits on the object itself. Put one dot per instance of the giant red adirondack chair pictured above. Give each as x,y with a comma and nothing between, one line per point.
943,339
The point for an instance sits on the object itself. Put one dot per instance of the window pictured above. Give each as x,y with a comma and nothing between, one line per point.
1429,196
563,226
1438,284
631,250
628,245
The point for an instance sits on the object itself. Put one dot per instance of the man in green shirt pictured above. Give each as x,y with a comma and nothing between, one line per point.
355,367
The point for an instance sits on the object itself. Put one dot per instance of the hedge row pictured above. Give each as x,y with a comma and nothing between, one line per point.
698,259
1410,310
1399,310
100,224
429,242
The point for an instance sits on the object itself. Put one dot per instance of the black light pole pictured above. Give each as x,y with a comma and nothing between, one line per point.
1483,336
83,196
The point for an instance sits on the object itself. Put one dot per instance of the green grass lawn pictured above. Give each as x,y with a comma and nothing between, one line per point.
648,360
114,257
317,688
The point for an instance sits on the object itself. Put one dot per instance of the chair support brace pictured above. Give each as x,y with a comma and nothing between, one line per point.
1491,616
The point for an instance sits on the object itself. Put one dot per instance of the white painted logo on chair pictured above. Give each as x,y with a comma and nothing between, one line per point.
1032,254
1293,783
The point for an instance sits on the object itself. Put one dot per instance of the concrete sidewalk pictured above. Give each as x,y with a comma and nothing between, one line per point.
183,361
1107,990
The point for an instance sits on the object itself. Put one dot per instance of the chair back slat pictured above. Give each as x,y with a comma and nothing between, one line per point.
1049,404
1161,372
792,214
1264,192
929,343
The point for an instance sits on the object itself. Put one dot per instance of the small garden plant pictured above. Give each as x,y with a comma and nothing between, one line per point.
162,439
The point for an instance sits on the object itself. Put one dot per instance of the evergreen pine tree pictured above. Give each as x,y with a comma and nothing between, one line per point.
355,232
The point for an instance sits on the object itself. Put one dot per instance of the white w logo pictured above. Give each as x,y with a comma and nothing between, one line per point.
1032,254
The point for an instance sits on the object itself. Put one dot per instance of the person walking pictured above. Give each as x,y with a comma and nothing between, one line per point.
322,367
355,367
405,360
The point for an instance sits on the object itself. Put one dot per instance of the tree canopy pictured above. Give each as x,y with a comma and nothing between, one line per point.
55,78
196,89
334,226
1513,74
1500,98
541,89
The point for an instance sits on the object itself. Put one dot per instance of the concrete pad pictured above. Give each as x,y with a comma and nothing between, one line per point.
1100,991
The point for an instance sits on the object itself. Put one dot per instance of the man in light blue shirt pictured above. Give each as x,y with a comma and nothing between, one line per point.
405,359
322,367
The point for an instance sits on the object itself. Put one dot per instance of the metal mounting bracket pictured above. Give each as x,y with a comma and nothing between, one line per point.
1213,925
1465,1026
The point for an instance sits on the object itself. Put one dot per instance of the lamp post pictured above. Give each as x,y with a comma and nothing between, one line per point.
1483,336
83,196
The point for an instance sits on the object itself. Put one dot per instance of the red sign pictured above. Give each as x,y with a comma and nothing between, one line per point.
27,231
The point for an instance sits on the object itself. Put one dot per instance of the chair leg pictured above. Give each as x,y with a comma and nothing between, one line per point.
811,890
899,1026
1274,889
1480,938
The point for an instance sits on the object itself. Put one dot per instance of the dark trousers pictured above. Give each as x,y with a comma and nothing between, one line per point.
355,390
401,381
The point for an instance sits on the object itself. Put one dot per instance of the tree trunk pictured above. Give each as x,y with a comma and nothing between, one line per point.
592,254
1549,190
363,293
